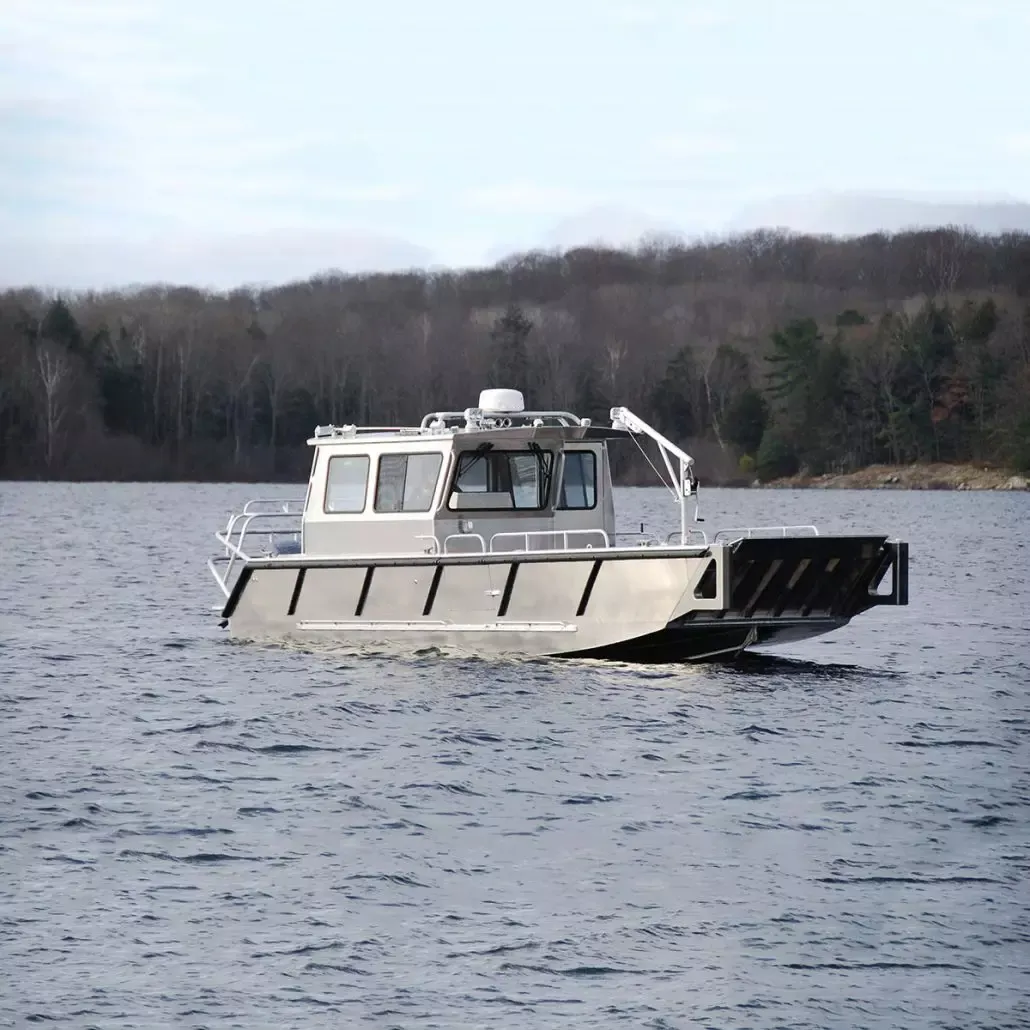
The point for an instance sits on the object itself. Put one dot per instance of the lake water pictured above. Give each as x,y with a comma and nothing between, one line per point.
200,834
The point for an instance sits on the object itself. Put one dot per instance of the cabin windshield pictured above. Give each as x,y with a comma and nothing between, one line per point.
502,480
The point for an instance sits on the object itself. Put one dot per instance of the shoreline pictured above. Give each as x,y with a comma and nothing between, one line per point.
935,476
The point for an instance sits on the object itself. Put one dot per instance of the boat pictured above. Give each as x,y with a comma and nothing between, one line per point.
492,531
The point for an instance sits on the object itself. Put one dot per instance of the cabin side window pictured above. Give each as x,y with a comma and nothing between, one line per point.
346,484
407,482
579,481
502,481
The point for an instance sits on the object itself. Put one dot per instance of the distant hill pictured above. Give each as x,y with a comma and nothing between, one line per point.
613,226
819,214
858,214
209,260
604,225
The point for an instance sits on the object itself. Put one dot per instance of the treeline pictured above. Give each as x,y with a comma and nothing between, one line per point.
765,354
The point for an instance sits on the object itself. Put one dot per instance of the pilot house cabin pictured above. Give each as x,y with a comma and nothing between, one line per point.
532,482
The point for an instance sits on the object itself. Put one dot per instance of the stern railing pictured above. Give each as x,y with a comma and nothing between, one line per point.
270,518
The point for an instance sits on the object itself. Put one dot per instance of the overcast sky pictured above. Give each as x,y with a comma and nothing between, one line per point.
230,140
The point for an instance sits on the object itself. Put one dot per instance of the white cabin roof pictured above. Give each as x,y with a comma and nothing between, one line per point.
486,421
554,435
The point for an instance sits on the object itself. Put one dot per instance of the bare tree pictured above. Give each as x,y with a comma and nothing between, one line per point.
53,368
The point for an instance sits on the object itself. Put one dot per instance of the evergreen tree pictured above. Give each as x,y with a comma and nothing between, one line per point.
746,420
672,399
510,364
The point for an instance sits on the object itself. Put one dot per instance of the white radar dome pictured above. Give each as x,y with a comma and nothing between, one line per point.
502,400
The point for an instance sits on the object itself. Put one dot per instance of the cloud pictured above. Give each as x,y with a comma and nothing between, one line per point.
692,144
1017,143
134,150
528,198
703,17
103,67
119,117
634,15
131,123
714,106
676,14
980,12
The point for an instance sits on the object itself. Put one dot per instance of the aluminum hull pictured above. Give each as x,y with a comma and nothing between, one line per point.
660,604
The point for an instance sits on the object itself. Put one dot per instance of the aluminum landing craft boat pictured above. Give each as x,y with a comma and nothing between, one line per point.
492,531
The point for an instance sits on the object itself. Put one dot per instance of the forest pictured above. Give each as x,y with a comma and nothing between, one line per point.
762,354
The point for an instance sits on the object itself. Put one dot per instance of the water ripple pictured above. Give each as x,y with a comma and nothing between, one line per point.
204,834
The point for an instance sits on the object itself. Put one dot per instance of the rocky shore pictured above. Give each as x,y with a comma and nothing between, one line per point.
911,477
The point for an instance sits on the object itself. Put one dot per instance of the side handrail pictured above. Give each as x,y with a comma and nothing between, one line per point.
276,505
246,517
677,539
240,523
464,536
643,539
748,532
563,535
